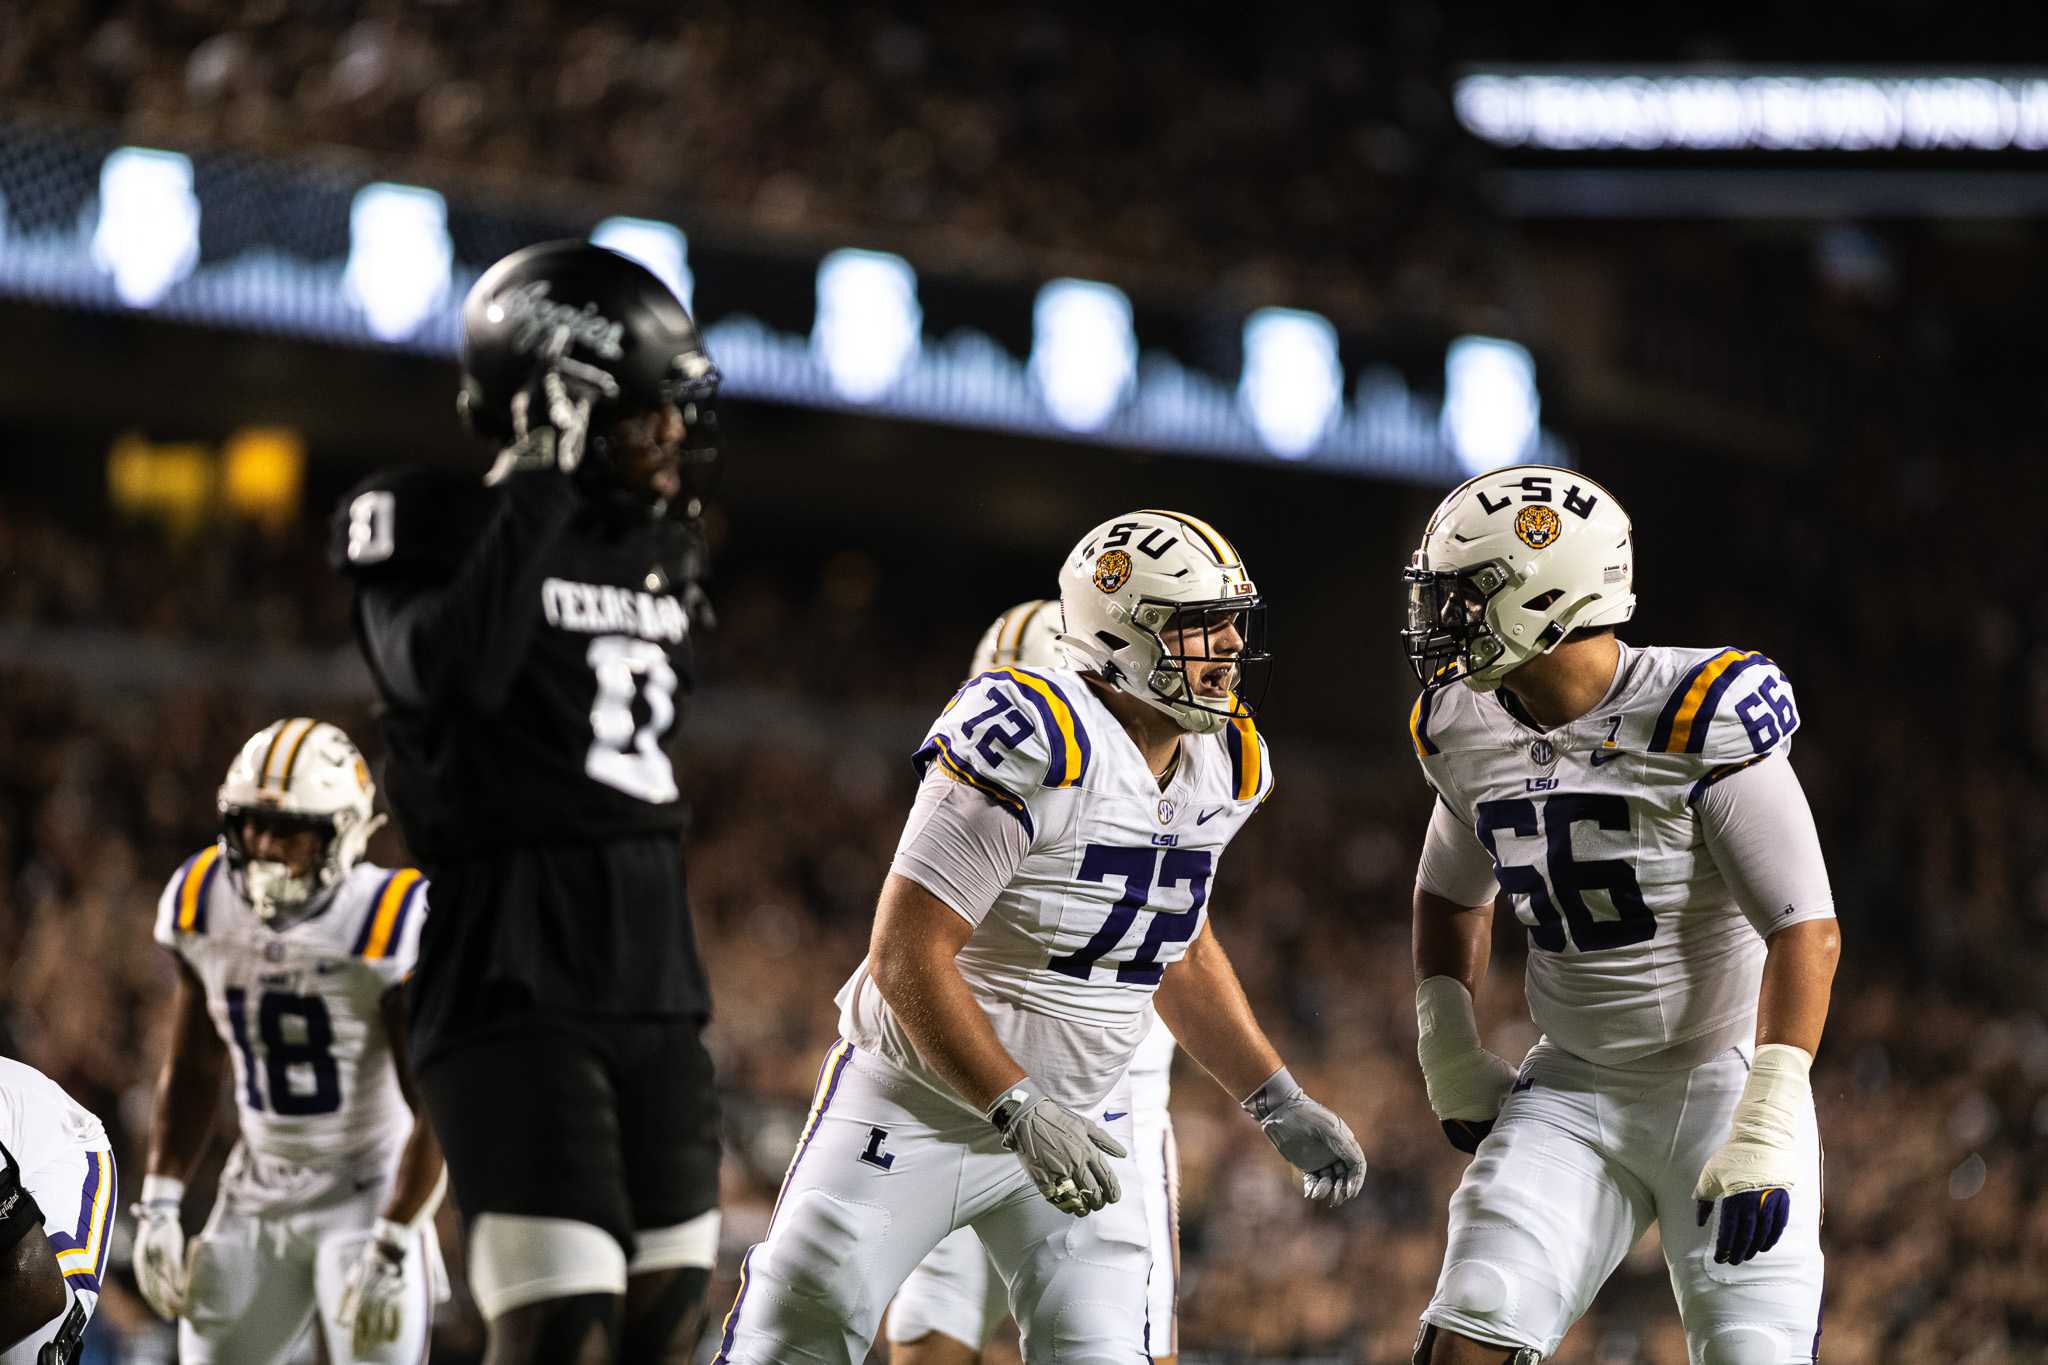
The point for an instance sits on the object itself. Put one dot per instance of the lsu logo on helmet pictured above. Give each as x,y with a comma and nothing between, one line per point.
1537,527
1112,570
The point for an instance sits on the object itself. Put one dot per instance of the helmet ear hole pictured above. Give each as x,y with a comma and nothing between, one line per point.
1543,602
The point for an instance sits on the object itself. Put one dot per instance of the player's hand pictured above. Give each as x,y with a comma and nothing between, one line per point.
1466,1083
1751,1177
551,415
1311,1137
372,1294
1063,1151
160,1246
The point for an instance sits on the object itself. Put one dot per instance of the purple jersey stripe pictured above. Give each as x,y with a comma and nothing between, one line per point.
404,908
362,942
205,890
80,1237
1080,730
1696,742
1660,737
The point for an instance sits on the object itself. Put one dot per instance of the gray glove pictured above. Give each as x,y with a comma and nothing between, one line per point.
1315,1141
551,415
1062,1151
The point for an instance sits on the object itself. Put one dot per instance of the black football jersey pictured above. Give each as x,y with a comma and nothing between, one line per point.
533,649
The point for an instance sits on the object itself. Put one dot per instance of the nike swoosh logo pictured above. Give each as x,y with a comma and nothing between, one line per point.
1113,1115
1206,816
1601,756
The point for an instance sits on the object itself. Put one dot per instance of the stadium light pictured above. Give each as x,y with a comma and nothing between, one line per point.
661,247
147,236
399,257
869,324
1492,412
1292,386
1084,354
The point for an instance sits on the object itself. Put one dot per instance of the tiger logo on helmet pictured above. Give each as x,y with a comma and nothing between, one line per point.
1511,563
1160,605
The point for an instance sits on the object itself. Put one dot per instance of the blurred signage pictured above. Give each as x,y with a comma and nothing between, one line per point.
1734,142
257,474
296,250
1677,110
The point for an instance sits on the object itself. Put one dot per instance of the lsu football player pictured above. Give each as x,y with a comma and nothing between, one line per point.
951,1305
58,1188
290,950
1051,882
1639,807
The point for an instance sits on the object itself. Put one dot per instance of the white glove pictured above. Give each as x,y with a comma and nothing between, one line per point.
375,1288
1062,1151
1466,1083
1752,1174
160,1245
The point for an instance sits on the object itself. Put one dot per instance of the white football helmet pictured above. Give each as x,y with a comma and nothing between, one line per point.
293,775
1511,563
1135,578
1027,635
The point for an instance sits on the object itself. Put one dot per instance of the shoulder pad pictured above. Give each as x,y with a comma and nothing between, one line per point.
1008,733
410,522
182,908
1730,707
1251,766
390,908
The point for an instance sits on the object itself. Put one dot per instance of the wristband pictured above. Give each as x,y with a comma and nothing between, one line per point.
1443,1015
1280,1087
162,1189
1015,1099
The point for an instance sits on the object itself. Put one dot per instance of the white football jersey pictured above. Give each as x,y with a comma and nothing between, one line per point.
1637,944
1114,886
66,1164
300,1007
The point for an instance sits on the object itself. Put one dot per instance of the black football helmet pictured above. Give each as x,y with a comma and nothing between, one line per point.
594,313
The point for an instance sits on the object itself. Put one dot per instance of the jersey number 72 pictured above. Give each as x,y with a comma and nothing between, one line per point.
1140,868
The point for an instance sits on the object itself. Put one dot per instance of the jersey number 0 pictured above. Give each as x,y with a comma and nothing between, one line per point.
625,753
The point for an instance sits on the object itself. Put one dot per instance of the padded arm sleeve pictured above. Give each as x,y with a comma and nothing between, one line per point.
959,846
1454,863
1760,831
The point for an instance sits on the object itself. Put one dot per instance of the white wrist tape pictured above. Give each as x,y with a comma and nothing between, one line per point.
1444,1022
1777,1098
162,1188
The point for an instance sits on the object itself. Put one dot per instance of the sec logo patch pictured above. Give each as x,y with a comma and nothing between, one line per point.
1112,570
1537,527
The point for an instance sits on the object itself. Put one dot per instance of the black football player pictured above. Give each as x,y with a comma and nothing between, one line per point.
530,631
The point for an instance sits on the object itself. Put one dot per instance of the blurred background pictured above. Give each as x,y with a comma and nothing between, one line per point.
978,277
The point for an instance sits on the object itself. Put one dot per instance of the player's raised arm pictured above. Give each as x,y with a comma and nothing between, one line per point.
442,620
31,1285
187,1102
1760,831
1202,1001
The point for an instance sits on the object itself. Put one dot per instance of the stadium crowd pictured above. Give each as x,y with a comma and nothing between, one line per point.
1922,753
